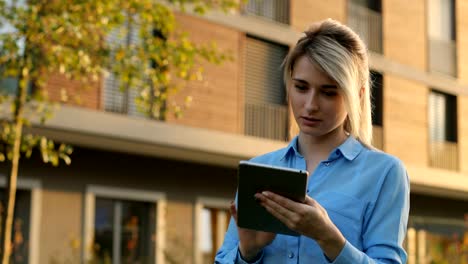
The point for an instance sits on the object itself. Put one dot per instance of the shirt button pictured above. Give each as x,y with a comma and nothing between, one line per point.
291,255
327,164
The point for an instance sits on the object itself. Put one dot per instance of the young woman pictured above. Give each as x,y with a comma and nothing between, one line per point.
357,204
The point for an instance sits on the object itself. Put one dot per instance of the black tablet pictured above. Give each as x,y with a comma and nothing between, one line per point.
254,178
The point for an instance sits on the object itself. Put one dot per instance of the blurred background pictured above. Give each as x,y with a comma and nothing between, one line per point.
154,186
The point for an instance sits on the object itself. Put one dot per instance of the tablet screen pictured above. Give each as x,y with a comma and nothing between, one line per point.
254,178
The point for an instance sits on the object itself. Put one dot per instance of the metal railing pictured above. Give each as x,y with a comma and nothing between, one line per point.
275,10
443,56
367,24
266,121
377,137
443,155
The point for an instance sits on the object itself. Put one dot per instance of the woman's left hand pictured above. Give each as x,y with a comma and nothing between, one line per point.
309,219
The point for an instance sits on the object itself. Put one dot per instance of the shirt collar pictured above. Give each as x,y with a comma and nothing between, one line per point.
350,148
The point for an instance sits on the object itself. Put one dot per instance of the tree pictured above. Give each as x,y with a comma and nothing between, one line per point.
41,38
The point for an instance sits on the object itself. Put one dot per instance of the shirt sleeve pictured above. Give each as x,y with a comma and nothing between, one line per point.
385,223
229,251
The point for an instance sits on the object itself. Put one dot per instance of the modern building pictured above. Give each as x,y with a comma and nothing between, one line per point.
146,191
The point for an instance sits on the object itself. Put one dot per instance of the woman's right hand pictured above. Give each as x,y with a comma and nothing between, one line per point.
251,242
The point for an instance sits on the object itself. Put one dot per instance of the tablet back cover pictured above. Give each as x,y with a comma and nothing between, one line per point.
254,178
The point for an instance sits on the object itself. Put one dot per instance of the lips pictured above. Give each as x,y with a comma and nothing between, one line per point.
310,121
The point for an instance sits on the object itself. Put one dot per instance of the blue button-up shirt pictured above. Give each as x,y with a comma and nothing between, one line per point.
366,195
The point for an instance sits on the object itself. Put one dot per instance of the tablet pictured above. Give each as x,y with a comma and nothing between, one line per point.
253,178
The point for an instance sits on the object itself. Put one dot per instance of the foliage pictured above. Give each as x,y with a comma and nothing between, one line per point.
43,38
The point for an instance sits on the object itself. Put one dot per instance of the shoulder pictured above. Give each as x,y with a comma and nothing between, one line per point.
378,158
271,158
390,168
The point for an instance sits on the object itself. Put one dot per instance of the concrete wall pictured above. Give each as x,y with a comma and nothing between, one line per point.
60,232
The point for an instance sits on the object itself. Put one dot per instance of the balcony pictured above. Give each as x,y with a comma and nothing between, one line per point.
367,24
273,10
443,155
443,56
266,121
377,137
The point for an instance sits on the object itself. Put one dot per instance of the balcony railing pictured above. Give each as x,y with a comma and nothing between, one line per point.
443,155
377,137
266,121
368,24
443,56
274,10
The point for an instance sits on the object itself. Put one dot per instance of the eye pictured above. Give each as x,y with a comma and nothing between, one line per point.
300,87
329,93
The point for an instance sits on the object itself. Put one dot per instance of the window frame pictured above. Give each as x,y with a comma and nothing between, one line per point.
200,203
137,195
35,187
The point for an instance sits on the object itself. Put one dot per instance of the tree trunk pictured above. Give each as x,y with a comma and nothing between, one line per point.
10,193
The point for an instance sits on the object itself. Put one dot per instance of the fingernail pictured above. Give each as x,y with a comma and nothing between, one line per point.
265,193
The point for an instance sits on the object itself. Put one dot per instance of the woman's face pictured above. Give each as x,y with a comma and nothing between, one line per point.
316,100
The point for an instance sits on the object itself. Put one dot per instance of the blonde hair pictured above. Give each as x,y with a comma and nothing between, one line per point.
342,55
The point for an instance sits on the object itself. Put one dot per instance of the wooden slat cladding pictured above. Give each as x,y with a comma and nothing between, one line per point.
265,109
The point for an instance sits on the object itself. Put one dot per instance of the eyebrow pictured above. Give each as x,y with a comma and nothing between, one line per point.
324,86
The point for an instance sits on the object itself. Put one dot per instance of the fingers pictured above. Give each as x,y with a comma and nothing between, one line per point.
233,211
280,200
280,207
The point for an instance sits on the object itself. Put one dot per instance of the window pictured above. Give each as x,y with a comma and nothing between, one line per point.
275,10
377,109
21,225
442,36
266,113
211,223
123,226
365,17
443,130
116,100
26,221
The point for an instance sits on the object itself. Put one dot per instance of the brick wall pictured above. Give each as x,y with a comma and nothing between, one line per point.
462,39
303,13
404,32
78,94
463,133
217,100
405,120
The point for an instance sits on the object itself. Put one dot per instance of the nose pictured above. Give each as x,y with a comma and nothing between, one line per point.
312,101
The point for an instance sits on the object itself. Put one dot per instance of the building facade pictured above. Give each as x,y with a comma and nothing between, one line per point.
145,191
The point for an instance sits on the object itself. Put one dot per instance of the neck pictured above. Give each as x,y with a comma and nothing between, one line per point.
318,148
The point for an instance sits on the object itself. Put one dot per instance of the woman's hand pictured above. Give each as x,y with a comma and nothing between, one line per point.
309,219
251,242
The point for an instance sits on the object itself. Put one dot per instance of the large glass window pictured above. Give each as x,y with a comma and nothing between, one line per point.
124,231
214,223
21,225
